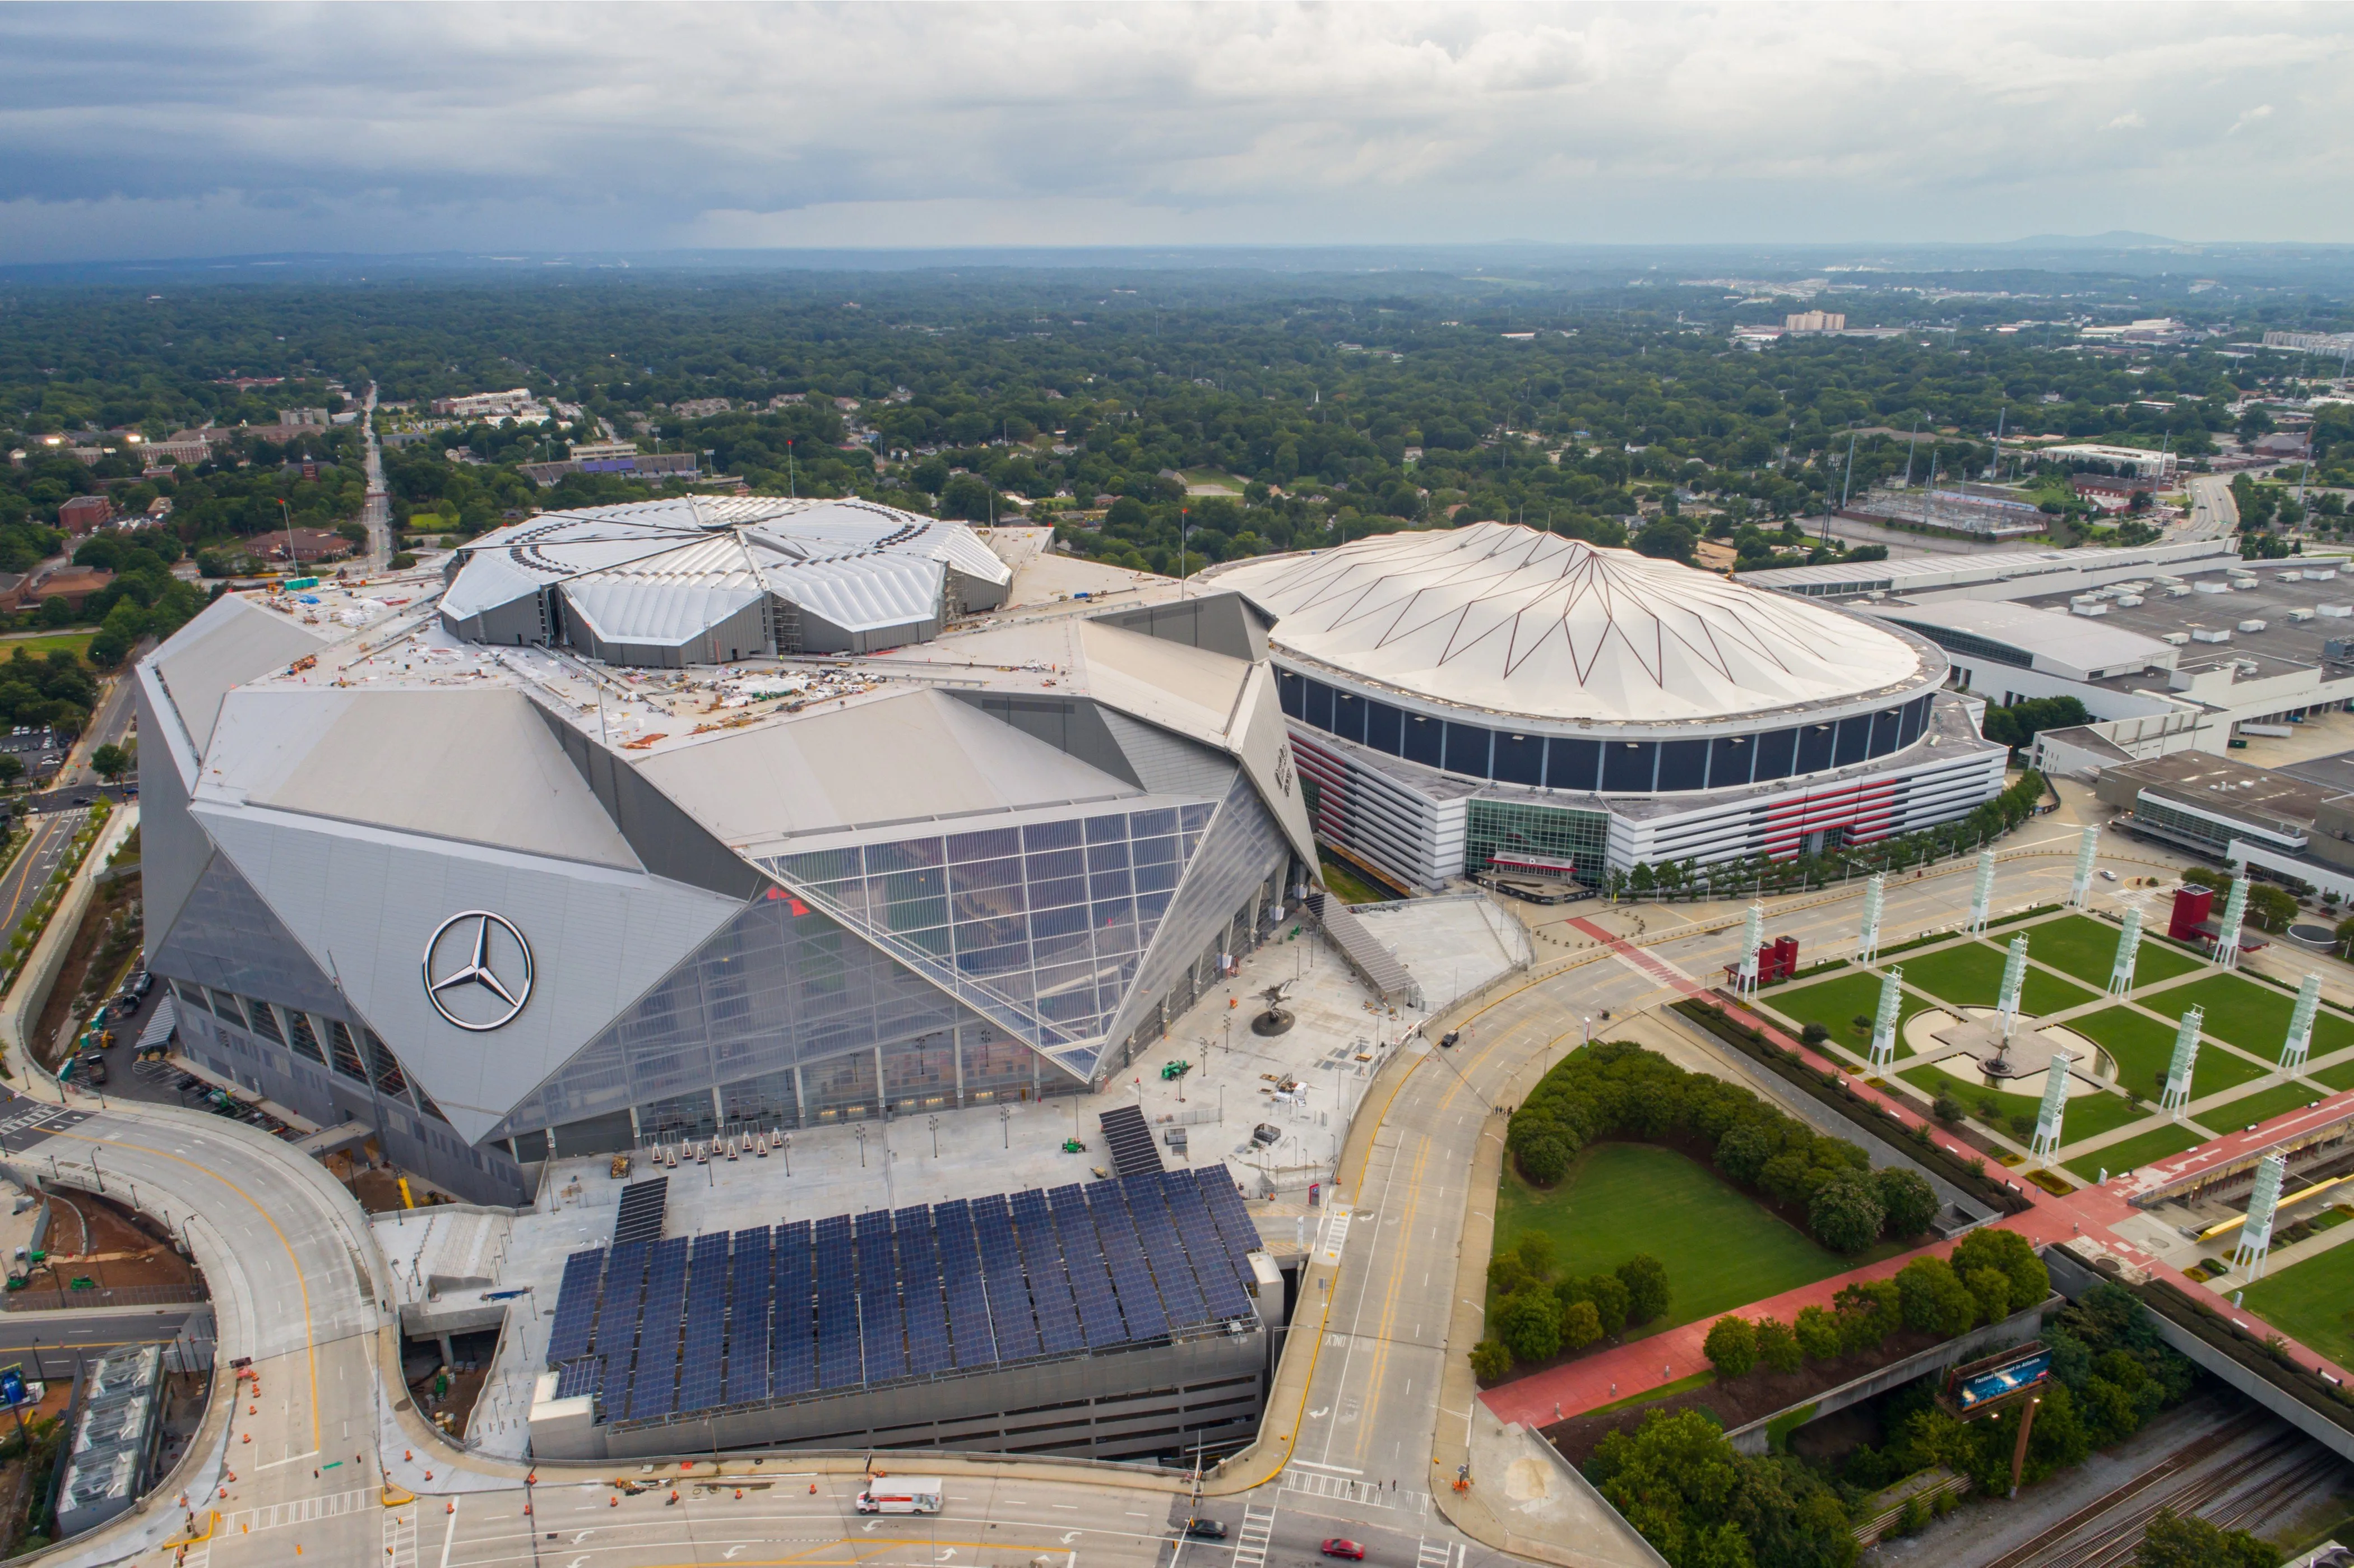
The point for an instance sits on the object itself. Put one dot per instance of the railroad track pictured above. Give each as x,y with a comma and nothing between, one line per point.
2118,1546
2049,1549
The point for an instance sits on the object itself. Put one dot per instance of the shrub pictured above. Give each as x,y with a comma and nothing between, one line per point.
1581,1325
1814,1034
1730,1346
1777,1346
1908,1204
1845,1213
1490,1362
1646,1279
1529,1322
1818,1334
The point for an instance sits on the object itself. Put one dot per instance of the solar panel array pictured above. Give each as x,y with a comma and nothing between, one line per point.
657,1329
640,1217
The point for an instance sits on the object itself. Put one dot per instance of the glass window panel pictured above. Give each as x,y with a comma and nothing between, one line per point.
1291,689
1156,852
226,1005
990,844
1318,713
1815,742
969,877
1195,817
899,886
1885,727
1059,891
1425,737
1051,835
1572,764
1039,866
304,1038
1070,948
911,854
1854,741
1519,758
916,914
1107,830
1058,922
383,1065
822,866
1156,878
1729,761
1108,857
1466,749
1151,906
347,1051
1683,764
265,1019
1628,766
1382,722
1774,751
1143,825
1110,885
1348,716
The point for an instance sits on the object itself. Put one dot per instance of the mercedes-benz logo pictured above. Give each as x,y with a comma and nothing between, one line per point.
478,970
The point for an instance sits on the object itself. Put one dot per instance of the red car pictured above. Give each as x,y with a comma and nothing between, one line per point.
1341,1546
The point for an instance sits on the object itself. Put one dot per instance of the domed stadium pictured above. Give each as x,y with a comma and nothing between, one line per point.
1495,697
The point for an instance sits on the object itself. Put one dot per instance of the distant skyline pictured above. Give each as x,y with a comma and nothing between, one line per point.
188,130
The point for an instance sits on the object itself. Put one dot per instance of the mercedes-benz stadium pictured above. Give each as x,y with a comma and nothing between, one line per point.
571,852
1494,696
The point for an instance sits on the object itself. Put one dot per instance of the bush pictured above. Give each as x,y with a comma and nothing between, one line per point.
1679,1482
1845,1213
1908,1204
1529,1322
1730,1346
1818,1334
403,561
2173,1541
1490,1362
1814,1034
1646,1279
1777,1346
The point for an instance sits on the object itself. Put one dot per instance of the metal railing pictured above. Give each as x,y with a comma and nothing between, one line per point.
96,1294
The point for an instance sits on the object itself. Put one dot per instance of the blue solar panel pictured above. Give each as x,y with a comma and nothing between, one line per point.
1118,1229
961,1271
1099,1321
1221,1292
747,1316
921,1297
1011,1322
838,1360
1180,1298
617,1320
885,1339
792,1342
575,1306
655,1389
1233,1221
1050,1291
702,1355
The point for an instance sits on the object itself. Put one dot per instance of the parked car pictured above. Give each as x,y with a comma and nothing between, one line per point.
1342,1546
1205,1529
141,983
93,1066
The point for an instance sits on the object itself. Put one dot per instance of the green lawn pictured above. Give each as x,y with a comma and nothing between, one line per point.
2262,1105
1836,1003
1971,975
2340,1077
2310,1302
2250,1016
2087,948
2144,1049
1721,1250
2132,1153
2088,1115
75,643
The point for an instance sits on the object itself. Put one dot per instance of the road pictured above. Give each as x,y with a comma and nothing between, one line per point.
52,833
2213,514
35,1335
375,511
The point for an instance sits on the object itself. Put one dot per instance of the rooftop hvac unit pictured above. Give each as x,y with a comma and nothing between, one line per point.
2340,649
2176,590
2252,626
2128,601
2088,606
2169,580
2241,585
2201,634
2320,574
2211,586
2334,611
2177,638
2299,617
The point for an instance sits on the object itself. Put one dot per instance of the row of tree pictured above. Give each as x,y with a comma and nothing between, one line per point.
1616,1089
1536,1317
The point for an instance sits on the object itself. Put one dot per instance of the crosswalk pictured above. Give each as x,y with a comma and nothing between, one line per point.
1440,1555
302,1510
1251,1539
1346,1488
1336,1232
25,1118
400,1537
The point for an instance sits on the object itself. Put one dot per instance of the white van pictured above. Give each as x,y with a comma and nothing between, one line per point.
900,1494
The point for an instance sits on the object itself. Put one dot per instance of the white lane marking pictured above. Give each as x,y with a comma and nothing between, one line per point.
450,1534
1338,1469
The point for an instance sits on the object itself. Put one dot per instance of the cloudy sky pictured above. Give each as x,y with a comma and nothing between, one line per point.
193,130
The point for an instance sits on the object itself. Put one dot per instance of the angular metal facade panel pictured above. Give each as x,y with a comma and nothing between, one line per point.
1167,764
173,850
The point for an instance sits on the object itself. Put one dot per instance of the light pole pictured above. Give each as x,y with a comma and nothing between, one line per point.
935,1123
1005,1124
787,1141
860,1134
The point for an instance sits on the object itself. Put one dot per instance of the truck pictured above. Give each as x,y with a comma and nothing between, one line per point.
900,1494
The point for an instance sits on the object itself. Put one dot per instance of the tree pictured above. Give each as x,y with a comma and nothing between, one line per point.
1666,539
1730,1346
1933,1299
1908,1204
2177,1541
111,760
11,769
1845,1213
1992,1247
1529,1323
1777,1346
1536,1254
1991,1287
1490,1362
1581,1325
1646,1279
1868,1312
1818,1334
1609,1295
2271,908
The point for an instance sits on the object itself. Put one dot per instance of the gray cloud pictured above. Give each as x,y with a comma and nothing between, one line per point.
193,130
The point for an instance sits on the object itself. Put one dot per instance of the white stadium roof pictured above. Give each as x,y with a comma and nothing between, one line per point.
2081,646
1517,622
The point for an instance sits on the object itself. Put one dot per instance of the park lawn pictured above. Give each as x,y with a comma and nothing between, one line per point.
2340,1077
74,642
2253,1017
1836,1003
2262,1105
2087,948
2088,1115
2144,1049
2132,1153
1722,1249
2309,1301
1971,975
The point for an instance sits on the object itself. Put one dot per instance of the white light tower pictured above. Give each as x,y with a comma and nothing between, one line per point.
2300,1025
2014,975
1982,896
1867,946
2121,973
2079,891
2227,930
1884,1024
2186,1061
1753,937
2055,1106
2257,1235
